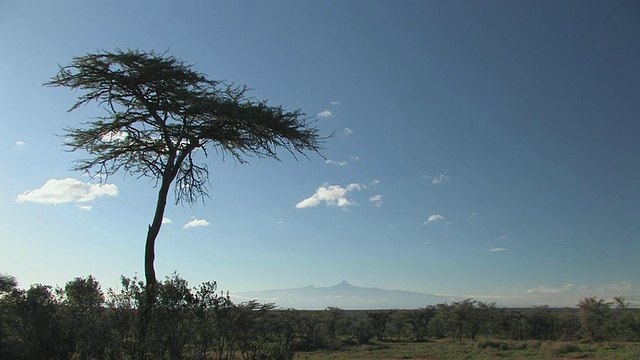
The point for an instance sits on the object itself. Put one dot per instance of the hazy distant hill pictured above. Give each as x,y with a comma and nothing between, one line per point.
344,296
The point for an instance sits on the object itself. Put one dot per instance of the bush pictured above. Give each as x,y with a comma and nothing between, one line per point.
567,348
494,344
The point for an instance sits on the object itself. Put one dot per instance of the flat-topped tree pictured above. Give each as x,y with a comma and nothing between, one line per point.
160,113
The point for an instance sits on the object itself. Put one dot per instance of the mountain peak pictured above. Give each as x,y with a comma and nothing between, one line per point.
343,284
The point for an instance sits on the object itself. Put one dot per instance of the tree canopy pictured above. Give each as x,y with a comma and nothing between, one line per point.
160,111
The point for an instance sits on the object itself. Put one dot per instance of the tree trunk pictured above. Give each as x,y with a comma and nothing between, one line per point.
151,286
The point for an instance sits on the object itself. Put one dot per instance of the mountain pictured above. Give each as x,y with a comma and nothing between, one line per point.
344,296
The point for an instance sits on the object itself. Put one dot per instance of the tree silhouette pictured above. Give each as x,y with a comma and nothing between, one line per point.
7,283
160,114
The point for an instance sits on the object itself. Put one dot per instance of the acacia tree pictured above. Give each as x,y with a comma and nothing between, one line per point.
160,114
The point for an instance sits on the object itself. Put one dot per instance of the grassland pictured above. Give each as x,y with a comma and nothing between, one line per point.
480,349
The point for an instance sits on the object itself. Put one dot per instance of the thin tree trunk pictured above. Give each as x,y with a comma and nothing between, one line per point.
151,286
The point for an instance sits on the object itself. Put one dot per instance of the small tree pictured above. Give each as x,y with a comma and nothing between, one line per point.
333,318
594,317
8,283
419,320
378,321
160,115
84,320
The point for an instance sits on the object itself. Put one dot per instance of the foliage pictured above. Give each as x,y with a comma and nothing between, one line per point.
80,321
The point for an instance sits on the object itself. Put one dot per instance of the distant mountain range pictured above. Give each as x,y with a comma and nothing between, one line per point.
344,296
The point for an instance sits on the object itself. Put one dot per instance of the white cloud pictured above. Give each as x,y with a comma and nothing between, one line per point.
499,249
166,221
339,163
325,113
60,191
20,143
347,132
331,195
376,200
334,103
114,136
545,290
85,207
437,179
619,288
354,158
195,223
435,218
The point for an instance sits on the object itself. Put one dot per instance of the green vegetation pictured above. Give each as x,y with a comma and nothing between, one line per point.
478,350
81,321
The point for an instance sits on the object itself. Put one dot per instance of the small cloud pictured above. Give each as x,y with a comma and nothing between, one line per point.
503,237
497,250
354,158
20,143
437,179
375,182
545,290
435,218
166,221
339,163
472,215
60,191
334,103
331,195
347,132
114,136
195,223
376,200
619,288
325,113
85,207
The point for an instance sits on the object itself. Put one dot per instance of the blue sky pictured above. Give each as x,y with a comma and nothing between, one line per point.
484,149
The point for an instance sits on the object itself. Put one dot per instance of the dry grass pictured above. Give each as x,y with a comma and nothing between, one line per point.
478,350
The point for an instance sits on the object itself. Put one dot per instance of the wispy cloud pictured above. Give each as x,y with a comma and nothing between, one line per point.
566,295
339,163
354,158
435,218
195,223
20,143
114,136
618,288
545,290
85,207
498,249
331,195
376,200
166,220
325,113
437,179
347,132
334,103
60,191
